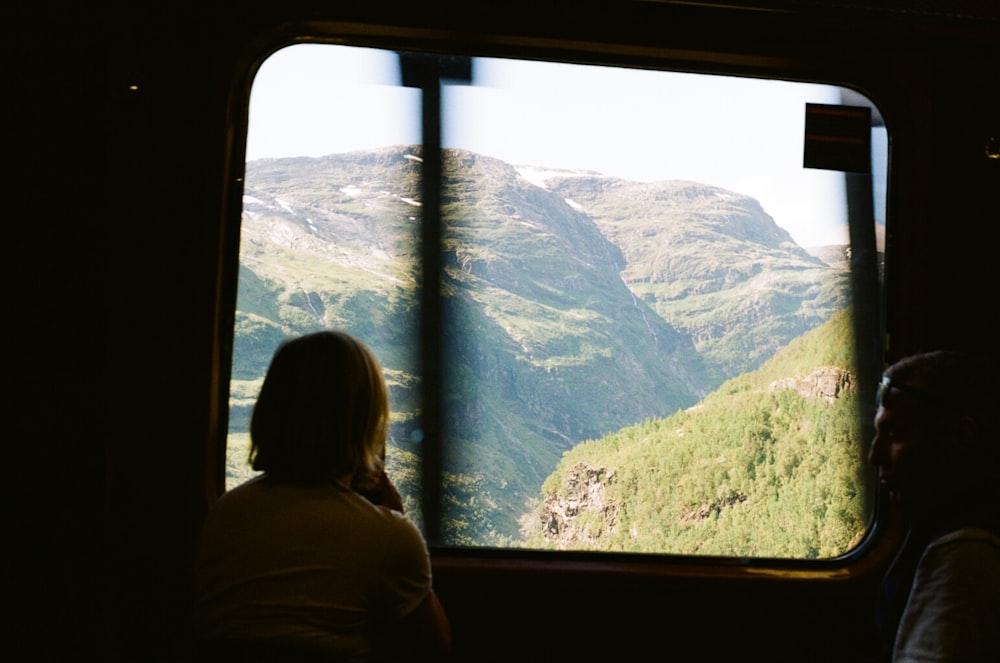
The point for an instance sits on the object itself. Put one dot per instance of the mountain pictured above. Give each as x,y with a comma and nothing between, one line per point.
713,264
767,466
573,309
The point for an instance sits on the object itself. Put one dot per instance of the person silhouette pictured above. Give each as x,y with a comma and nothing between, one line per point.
315,554
938,456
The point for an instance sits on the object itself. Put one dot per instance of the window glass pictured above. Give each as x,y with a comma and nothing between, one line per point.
648,332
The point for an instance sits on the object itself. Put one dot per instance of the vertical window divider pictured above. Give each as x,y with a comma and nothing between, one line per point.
426,72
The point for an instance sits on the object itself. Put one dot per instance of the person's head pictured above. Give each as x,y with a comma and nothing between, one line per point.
935,431
323,411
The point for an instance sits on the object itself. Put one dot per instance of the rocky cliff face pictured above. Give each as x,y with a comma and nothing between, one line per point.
580,514
827,382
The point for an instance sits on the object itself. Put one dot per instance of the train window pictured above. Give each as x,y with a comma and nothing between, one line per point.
655,319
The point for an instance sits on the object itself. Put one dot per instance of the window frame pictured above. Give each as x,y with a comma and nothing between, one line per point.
626,52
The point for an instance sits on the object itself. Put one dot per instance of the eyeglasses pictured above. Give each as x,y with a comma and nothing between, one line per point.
930,398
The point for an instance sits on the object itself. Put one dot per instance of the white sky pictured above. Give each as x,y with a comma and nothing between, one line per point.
745,135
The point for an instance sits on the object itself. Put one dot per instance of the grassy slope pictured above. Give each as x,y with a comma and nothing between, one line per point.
753,470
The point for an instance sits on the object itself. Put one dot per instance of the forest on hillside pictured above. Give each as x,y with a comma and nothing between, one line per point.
770,465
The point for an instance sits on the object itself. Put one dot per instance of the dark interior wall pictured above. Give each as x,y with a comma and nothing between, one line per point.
113,241
945,273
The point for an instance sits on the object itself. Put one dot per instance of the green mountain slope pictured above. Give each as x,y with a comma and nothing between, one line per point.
767,466
713,264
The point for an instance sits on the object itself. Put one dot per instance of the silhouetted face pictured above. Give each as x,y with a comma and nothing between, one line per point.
916,463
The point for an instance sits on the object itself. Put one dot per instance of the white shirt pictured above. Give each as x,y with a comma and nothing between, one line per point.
314,566
953,612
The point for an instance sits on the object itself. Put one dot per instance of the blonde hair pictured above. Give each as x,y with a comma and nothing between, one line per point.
322,412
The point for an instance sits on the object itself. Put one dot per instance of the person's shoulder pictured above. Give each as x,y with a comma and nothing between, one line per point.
973,550
265,494
953,609
243,491
375,515
968,536
392,519
250,485
400,529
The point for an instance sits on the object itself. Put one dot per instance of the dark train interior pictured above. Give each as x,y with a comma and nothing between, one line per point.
128,128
